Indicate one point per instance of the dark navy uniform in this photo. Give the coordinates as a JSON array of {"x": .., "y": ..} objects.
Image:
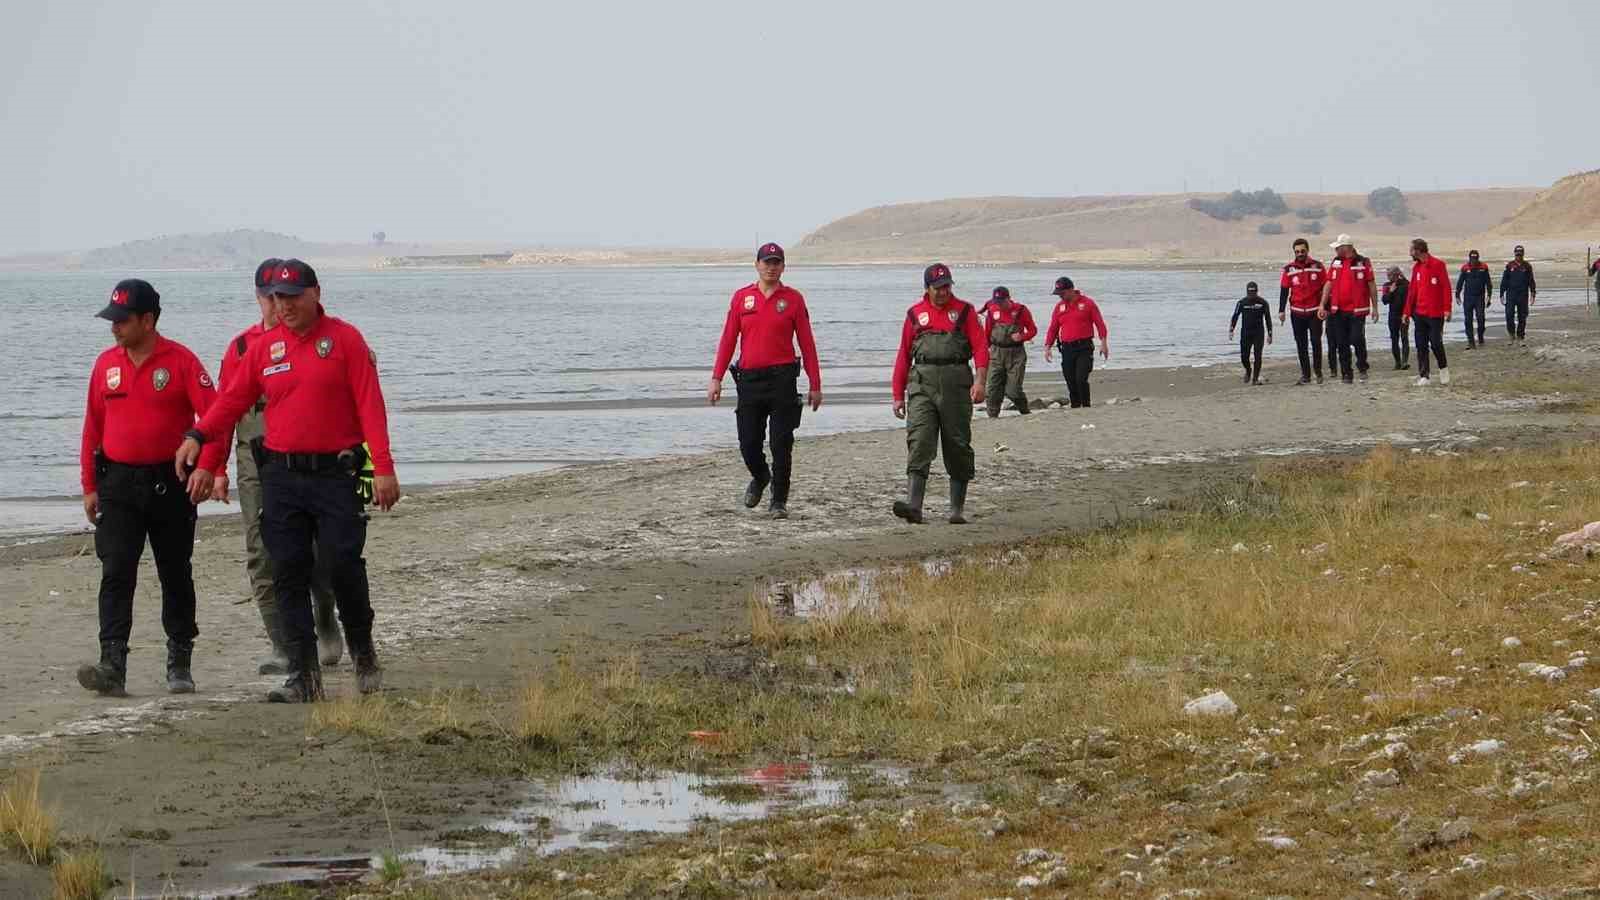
[
  {"x": 1517, "y": 290},
  {"x": 1473, "y": 287}
]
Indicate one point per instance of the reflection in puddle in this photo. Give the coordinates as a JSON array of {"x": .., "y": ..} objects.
[{"x": 862, "y": 590}]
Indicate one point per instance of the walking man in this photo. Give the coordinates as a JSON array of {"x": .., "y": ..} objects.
[
  {"x": 935, "y": 390},
  {"x": 1473, "y": 287},
  {"x": 324, "y": 410},
  {"x": 1010, "y": 327},
  {"x": 1394, "y": 297},
  {"x": 1300, "y": 292},
  {"x": 1428, "y": 304},
  {"x": 258, "y": 565},
  {"x": 1518, "y": 290},
  {"x": 1348, "y": 299},
  {"x": 143, "y": 393},
  {"x": 765, "y": 319},
  {"x": 1073, "y": 325},
  {"x": 1257, "y": 315}
]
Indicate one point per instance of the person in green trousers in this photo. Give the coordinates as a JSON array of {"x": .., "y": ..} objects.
[
  {"x": 1010, "y": 327},
  {"x": 935, "y": 389}
]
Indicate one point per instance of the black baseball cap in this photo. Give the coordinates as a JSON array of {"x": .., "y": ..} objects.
[
  {"x": 264, "y": 273},
  {"x": 1062, "y": 284},
  {"x": 292, "y": 277},
  {"x": 1518, "y": 249},
  {"x": 1001, "y": 293},
  {"x": 129, "y": 298},
  {"x": 769, "y": 251},
  {"x": 1472, "y": 254},
  {"x": 1252, "y": 286},
  {"x": 936, "y": 275}
]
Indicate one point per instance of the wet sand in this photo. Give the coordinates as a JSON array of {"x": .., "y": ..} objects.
[{"x": 481, "y": 585}]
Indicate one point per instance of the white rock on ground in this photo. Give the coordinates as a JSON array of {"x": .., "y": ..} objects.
[
  {"x": 1511, "y": 643},
  {"x": 1481, "y": 517},
  {"x": 1215, "y": 703},
  {"x": 1279, "y": 842},
  {"x": 1381, "y": 778},
  {"x": 1584, "y": 535},
  {"x": 1481, "y": 748},
  {"x": 1028, "y": 883}
]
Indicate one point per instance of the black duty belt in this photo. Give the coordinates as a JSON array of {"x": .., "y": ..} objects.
[
  {"x": 765, "y": 373},
  {"x": 160, "y": 474},
  {"x": 940, "y": 361},
  {"x": 1012, "y": 346},
  {"x": 345, "y": 461},
  {"x": 1078, "y": 344}
]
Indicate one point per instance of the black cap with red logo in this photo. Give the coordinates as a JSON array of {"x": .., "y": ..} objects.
[
  {"x": 291, "y": 277},
  {"x": 264, "y": 273},
  {"x": 1001, "y": 293},
  {"x": 129, "y": 298},
  {"x": 1062, "y": 284},
  {"x": 769, "y": 251},
  {"x": 936, "y": 275}
]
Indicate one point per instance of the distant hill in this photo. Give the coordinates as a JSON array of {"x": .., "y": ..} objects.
[
  {"x": 1142, "y": 229},
  {"x": 1571, "y": 207},
  {"x": 241, "y": 248}
]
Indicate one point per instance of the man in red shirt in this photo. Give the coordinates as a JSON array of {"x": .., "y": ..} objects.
[
  {"x": 1073, "y": 324},
  {"x": 765, "y": 319},
  {"x": 1348, "y": 298},
  {"x": 1300, "y": 292},
  {"x": 323, "y": 404},
  {"x": 258, "y": 565},
  {"x": 1010, "y": 327},
  {"x": 934, "y": 390},
  {"x": 143, "y": 393},
  {"x": 1429, "y": 304}
]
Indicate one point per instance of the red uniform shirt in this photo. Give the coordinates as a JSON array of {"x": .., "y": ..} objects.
[
  {"x": 322, "y": 393},
  {"x": 229, "y": 366},
  {"x": 1075, "y": 320},
  {"x": 924, "y": 316},
  {"x": 138, "y": 414},
  {"x": 1429, "y": 294},
  {"x": 766, "y": 328},
  {"x": 1350, "y": 285},
  {"x": 1305, "y": 285},
  {"x": 1012, "y": 313}
]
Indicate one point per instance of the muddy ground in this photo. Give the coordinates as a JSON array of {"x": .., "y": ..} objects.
[{"x": 481, "y": 585}]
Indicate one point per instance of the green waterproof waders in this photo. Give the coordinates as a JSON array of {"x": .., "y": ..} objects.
[
  {"x": 939, "y": 404},
  {"x": 1008, "y": 365}
]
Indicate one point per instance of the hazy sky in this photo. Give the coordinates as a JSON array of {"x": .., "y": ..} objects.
[{"x": 696, "y": 123}]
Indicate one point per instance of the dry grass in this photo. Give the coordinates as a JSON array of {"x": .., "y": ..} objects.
[
  {"x": 80, "y": 876},
  {"x": 25, "y": 825}
]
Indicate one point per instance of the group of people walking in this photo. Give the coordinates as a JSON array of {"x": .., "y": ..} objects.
[{"x": 301, "y": 402}]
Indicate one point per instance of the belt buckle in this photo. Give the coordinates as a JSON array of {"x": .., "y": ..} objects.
[{"x": 161, "y": 489}]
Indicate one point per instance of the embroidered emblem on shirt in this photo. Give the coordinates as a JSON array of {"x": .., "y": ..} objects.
[
  {"x": 783, "y": 305},
  {"x": 952, "y": 315},
  {"x": 324, "y": 346},
  {"x": 161, "y": 378},
  {"x": 749, "y": 303},
  {"x": 922, "y": 318},
  {"x": 205, "y": 378},
  {"x": 113, "y": 378},
  {"x": 277, "y": 351}
]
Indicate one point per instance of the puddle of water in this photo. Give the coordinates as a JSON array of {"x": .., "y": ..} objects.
[
  {"x": 599, "y": 811},
  {"x": 846, "y": 590}
]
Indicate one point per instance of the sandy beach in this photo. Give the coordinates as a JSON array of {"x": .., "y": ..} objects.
[{"x": 478, "y": 586}]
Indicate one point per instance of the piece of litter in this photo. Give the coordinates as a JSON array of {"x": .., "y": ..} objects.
[{"x": 1215, "y": 703}]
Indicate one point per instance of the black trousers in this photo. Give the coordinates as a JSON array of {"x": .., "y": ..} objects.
[
  {"x": 1251, "y": 343},
  {"x": 1333, "y": 345},
  {"x": 1077, "y": 361},
  {"x": 1516, "y": 315},
  {"x": 1307, "y": 342},
  {"x": 769, "y": 407},
  {"x": 1430, "y": 336},
  {"x": 1399, "y": 340},
  {"x": 1472, "y": 311},
  {"x": 309, "y": 517},
  {"x": 1350, "y": 334},
  {"x": 136, "y": 503}
]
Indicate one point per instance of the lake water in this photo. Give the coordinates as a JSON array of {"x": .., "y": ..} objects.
[{"x": 495, "y": 371}]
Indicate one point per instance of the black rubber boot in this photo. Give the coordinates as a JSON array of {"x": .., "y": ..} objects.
[
  {"x": 958, "y": 502},
  {"x": 179, "y": 678},
  {"x": 109, "y": 677},
  {"x": 304, "y": 684},
  {"x": 753, "y": 492},
  {"x": 369, "y": 675},
  {"x": 910, "y": 508}
]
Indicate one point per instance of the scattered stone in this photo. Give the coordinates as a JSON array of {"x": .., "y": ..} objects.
[
  {"x": 1057, "y": 876},
  {"x": 1511, "y": 643},
  {"x": 1519, "y": 484},
  {"x": 1498, "y": 892},
  {"x": 1240, "y": 547},
  {"x": 1216, "y": 703},
  {"x": 1459, "y": 651},
  {"x": 1385, "y": 778},
  {"x": 1033, "y": 856},
  {"x": 1454, "y": 832},
  {"x": 1540, "y": 670},
  {"x": 1481, "y": 748},
  {"x": 1279, "y": 842},
  {"x": 1397, "y": 751},
  {"x": 1588, "y": 534},
  {"x": 1469, "y": 863},
  {"x": 1577, "y": 662},
  {"x": 1481, "y": 517},
  {"x": 1028, "y": 883}
]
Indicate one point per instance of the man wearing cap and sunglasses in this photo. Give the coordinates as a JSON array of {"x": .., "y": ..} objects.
[
  {"x": 765, "y": 319},
  {"x": 1518, "y": 290},
  {"x": 258, "y": 565},
  {"x": 1073, "y": 325},
  {"x": 934, "y": 390},
  {"x": 1010, "y": 327},
  {"x": 323, "y": 404},
  {"x": 1300, "y": 293},
  {"x": 143, "y": 393},
  {"x": 1474, "y": 284}
]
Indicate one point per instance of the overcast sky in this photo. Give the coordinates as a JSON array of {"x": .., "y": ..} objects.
[{"x": 713, "y": 123}]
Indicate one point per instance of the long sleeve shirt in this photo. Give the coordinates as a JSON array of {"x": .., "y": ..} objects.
[
  {"x": 1075, "y": 320},
  {"x": 1300, "y": 287},
  {"x": 1394, "y": 297},
  {"x": 137, "y": 414},
  {"x": 925, "y": 317},
  {"x": 1474, "y": 282},
  {"x": 1429, "y": 294},
  {"x": 1013, "y": 314},
  {"x": 765, "y": 329},
  {"x": 1517, "y": 280},
  {"x": 1256, "y": 312}
]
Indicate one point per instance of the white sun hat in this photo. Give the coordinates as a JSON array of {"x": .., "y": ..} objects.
[{"x": 1342, "y": 241}]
